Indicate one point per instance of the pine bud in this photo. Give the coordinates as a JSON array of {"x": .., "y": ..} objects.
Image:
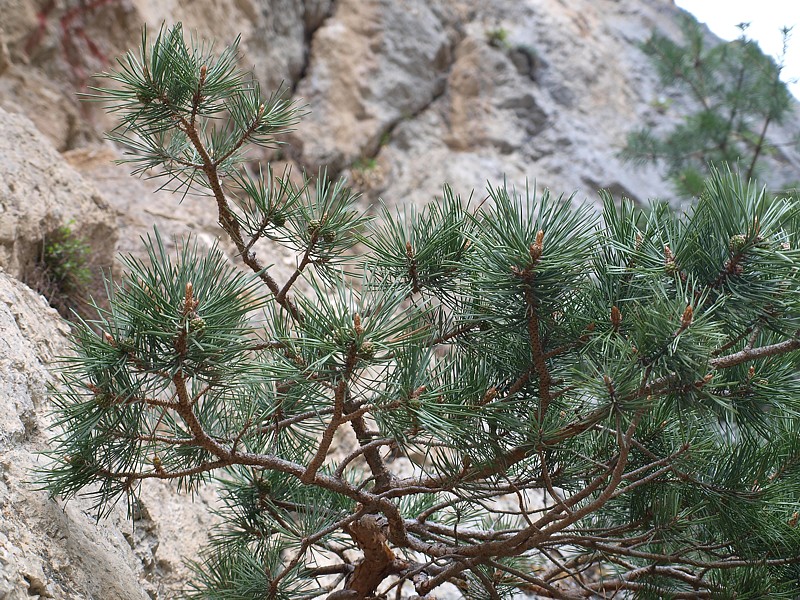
[
  {"x": 737, "y": 242},
  {"x": 188, "y": 303},
  {"x": 686, "y": 318},
  {"x": 536, "y": 248},
  {"x": 197, "y": 325},
  {"x": 490, "y": 395},
  {"x": 357, "y": 324},
  {"x": 419, "y": 391},
  {"x": 329, "y": 237},
  {"x": 278, "y": 219},
  {"x": 616, "y": 317},
  {"x": 699, "y": 384},
  {"x": 104, "y": 399},
  {"x": 313, "y": 226},
  {"x": 669, "y": 261},
  {"x": 367, "y": 350}
]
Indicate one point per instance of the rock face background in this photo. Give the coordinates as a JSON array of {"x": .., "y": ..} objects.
[{"x": 404, "y": 95}]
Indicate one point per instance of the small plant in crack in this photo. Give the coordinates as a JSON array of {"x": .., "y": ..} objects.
[
  {"x": 61, "y": 273},
  {"x": 498, "y": 38}
]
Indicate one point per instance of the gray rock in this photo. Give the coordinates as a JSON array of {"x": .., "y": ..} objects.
[
  {"x": 372, "y": 65},
  {"x": 47, "y": 550}
]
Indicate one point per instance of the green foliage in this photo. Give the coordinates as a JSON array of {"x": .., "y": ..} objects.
[
  {"x": 521, "y": 395},
  {"x": 365, "y": 164},
  {"x": 498, "y": 38},
  {"x": 737, "y": 93},
  {"x": 62, "y": 271}
]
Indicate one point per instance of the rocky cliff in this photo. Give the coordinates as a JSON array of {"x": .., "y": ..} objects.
[{"x": 404, "y": 95}]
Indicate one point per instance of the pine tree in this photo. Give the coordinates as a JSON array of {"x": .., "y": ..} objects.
[
  {"x": 737, "y": 94},
  {"x": 540, "y": 399}
]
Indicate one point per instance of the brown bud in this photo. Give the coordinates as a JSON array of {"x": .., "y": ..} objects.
[
  {"x": 490, "y": 395},
  {"x": 793, "y": 519},
  {"x": 751, "y": 372},
  {"x": 616, "y": 317},
  {"x": 536, "y": 248},
  {"x": 409, "y": 250},
  {"x": 733, "y": 267},
  {"x": 669, "y": 261},
  {"x": 686, "y": 319},
  {"x": 357, "y": 324},
  {"x": 203, "y": 73},
  {"x": 703, "y": 381},
  {"x": 188, "y": 305},
  {"x": 419, "y": 391}
]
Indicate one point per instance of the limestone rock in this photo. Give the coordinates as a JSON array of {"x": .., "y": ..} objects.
[
  {"x": 419, "y": 89},
  {"x": 372, "y": 65}
]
